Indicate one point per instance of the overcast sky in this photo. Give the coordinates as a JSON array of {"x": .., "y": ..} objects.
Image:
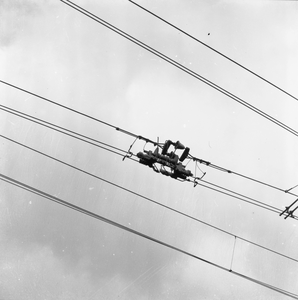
[{"x": 48, "y": 251}]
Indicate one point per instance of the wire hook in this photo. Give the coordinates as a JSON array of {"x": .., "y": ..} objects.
[{"x": 129, "y": 153}]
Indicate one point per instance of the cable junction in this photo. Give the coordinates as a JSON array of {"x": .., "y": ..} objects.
[
  {"x": 288, "y": 212},
  {"x": 138, "y": 233},
  {"x": 179, "y": 66},
  {"x": 138, "y": 137},
  {"x": 291, "y": 188},
  {"x": 166, "y": 146}
]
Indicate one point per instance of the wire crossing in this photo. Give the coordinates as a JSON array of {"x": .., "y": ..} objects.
[
  {"x": 214, "y": 50},
  {"x": 180, "y": 66},
  {"x": 151, "y": 200},
  {"x": 138, "y": 233}
]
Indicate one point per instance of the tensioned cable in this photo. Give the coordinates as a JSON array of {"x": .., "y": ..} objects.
[
  {"x": 216, "y": 51},
  {"x": 73, "y": 110},
  {"x": 256, "y": 202},
  {"x": 58, "y": 104},
  {"x": 136, "y": 136},
  {"x": 61, "y": 129},
  {"x": 71, "y": 134},
  {"x": 149, "y": 199},
  {"x": 178, "y": 65},
  {"x": 138, "y": 233},
  {"x": 209, "y": 164}
]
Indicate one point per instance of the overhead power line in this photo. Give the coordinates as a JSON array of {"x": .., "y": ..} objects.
[
  {"x": 89, "y": 140},
  {"x": 208, "y": 164},
  {"x": 56, "y": 103},
  {"x": 151, "y": 200},
  {"x": 180, "y": 66},
  {"x": 138, "y": 233},
  {"x": 63, "y": 130},
  {"x": 236, "y": 195},
  {"x": 71, "y": 109},
  {"x": 214, "y": 50}
]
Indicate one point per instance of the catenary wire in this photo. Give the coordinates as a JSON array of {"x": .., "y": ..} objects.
[
  {"x": 72, "y": 110},
  {"x": 56, "y": 103},
  {"x": 179, "y": 66},
  {"x": 213, "y": 187},
  {"x": 138, "y": 233},
  {"x": 140, "y": 137},
  {"x": 62, "y": 130},
  {"x": 151, "y": 200},
  {"x": 209, "y": 164},
  {"x": 226, "y": 191},
  {"x": 214, "y": 50}
]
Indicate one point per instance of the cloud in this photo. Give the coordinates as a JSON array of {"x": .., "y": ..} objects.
[
  {"x": 31, "y": 270},
  {"x": 38, "y": 274},
  {"x": 16, "y": 16},
  {"x": 52, "y": 252}
]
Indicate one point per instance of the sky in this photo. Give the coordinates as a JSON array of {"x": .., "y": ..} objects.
[{"x": 52, "y": 252}]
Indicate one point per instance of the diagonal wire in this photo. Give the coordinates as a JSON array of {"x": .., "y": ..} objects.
[
  {"x": 214, "y": 50},
  {"x": 138, "y": 233},
  {"x": 146, "y": 139},
  {"x": 91, "y": 141},
  {"x": 61, "y": 129},
  {"x": 213, "y": 187},
  {"x": 209, "y": 185},
  {"x": 151, "y": 200},
  {"x": 179, "y": 66},
  {"x": 238, "y": 194},
  {"x": 56, "y": 103}
]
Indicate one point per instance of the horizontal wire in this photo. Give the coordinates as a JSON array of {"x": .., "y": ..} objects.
[
  {"x": 211, "y": 48},
  {"x": 151, "y": 200},
  {"x": 135, "y": 232},
  {"x": 178, "y": 65}
]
